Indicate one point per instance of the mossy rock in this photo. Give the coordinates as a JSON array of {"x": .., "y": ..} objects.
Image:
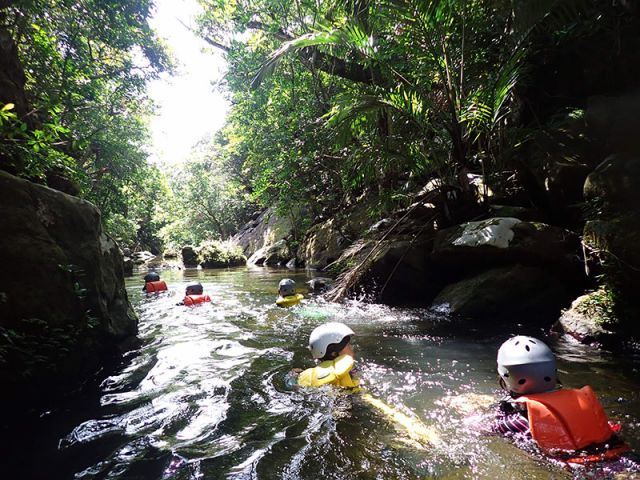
[
  {"x": 190, "y": 257},
  {"x": 217, "y": 255}
]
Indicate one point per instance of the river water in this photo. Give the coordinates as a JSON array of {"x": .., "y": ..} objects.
[{"x": 205, "y": 397}]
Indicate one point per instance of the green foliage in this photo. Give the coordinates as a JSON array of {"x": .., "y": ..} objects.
[
  {"x": 36, "y": 346},
  {"x": 599, "y": 305},
  {"x": 121, "y": 229},
  {"x": 206, "y": 201},
  {"x": 365, "y": 102},
  {"x": 86, "y": 66},
  {"x": 221, "y": 254}
]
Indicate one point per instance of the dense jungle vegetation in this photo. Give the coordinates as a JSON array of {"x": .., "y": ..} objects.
[{"x": 332, "y": 103}]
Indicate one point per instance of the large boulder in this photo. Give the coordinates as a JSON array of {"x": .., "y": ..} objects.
[
  {"x": 506, "y": 240},
  {"x": 63, "y": 302},
  {"x": 515, "y": 291},
  {"x": 615, "y": 182},
  {"x": 190, "y": 257},
  {"x": 588, "y": 320},
  {"x": 612, "y": 123},
  {"x": 220, "y": 255},
  {"x": 277, "y": 254}
]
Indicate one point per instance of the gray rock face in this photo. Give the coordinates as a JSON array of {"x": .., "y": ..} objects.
[
  {"x": 322, "y": 245},
  {"x": 62, "y": 288},
  {"x": 263, "y": 231}
]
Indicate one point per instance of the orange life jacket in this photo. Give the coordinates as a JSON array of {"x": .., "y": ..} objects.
[
  {"x": 568, "y": 419},
  {"x": 152, "y": 287},
  {"x": 191, "y": 300}
]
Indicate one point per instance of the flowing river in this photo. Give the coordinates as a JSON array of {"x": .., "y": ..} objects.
[{"x": 205, "y": 397}]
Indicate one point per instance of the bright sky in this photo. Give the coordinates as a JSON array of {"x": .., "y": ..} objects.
[{"x": 189, "y": 108}]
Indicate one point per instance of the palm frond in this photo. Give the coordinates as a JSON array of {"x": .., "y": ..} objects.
[
  {"x": 406, "y": 102},
  {"x": 351, "y": 36}
]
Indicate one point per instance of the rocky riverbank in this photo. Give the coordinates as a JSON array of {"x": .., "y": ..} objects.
[{"x": 63, "y": 304}]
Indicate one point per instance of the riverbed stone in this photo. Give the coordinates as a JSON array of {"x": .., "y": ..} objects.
[
  {"x": 511, "y": 291},
  {"x": 63, "y": 300}
]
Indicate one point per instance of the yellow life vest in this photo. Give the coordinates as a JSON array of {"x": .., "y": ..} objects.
[
  {"x": 336, "y": 372},
  {"x": 289, "y": 300},
  {"x": 330, "y": 372}
]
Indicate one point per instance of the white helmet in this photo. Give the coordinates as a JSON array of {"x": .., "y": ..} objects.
[
  {"x": 325, "y": 335},
  {"x": 527, "y": 365},
  {"x": 287, "y": 287}
]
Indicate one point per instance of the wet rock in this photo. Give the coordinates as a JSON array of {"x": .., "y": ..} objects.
[
  {"x": 320, "y": 284},
  {"x": 127, "y": 264},
  {"x": 190, "y": 257},
  {"x": 614, "y": 232},
  {"x": 395, "y": 271},
  {"x": 586, "y": 320},
  {"x": 293, "y": 263},
  {"x": 521, "y": 213},
  {"x": 62, "y": 288},
  {"x": 258, "y": 257},
  {"x": 616, "y": 238},
  {"x": 515, "y": 291},
  {"x": 142, "y": 257},
  {"x": 380, "y": 226},
  {"x": 126, "y": 251},
  {"x": 565, "y": 181},
  {"x": 613, "y": 123}
]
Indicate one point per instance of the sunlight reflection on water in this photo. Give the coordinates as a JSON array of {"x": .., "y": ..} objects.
[{"x": 205, "y": 397}]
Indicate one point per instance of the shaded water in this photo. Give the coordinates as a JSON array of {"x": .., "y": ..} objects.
[{"x": 204, "y": 397}]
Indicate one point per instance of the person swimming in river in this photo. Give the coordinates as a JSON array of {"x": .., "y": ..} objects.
[
  {"x": 194, "y": 295},
  {"x": 567, "y": 424},
  {"x": 153, "y": 284},
  {"x": 330, "y": 344},
  {"x": 287, "y": 295}
]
